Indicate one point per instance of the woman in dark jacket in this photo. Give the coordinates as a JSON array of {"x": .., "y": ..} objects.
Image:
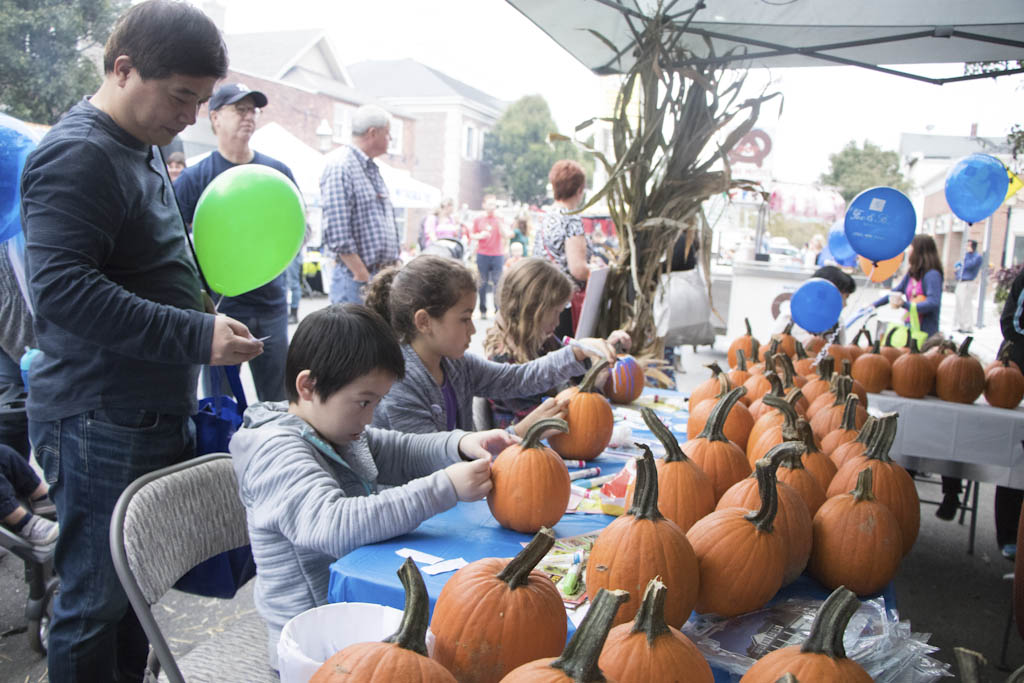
[
  {"x": 1008, "y": 500},
  {"x": 921, "y": 285}
]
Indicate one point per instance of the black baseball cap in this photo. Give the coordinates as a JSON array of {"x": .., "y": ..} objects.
[{"x": 232, "y": 92}]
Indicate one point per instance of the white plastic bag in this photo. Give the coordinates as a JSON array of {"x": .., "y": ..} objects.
[{"x": 682, "y": 309}]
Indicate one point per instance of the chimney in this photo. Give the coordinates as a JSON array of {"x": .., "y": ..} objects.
[{"x": 974, "y": 130}]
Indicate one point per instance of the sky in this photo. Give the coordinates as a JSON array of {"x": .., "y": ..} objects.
[{"x": 491, "y": 46}]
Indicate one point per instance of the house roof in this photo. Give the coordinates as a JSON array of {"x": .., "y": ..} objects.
[
  {"x": 949, "y": 146},
  {"x": 271, "y": 55},
  {"x": 408, "y": 78}
]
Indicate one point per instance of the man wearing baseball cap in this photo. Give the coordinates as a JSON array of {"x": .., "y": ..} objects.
[{"x": 234, "y": 110}]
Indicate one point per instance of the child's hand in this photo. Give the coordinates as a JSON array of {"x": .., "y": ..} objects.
[
  {"x": 472, "y": 480},
  {"x": 476, "y": 445},
  {"x": 551, "y": 407},
  {"x": 621, "y": 340},
  {"x": 595, "y": 348}
]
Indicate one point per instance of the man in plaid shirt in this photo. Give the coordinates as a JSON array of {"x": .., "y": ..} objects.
[{"x": 358, "y": 218}]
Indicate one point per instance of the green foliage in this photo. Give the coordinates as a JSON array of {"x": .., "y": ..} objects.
[
  {"x": 797, "y": 231},
  {"x": 43, "y": 68},
  {"x": 518, "y": 152},
  {"x": 1015, "y": 139},
  {"x": 855, "y": 169}
]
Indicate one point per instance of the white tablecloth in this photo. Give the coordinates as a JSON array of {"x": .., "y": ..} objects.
[{"x": 973, "y": 441}]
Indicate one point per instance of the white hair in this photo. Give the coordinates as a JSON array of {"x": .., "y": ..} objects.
[{"x": 369, "y": 116}]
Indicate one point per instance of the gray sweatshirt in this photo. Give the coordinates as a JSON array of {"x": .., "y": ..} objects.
[{"x": 308, "y": 504}]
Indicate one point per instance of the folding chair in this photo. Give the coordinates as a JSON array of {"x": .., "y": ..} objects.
[{"x": 164, "y": 524}]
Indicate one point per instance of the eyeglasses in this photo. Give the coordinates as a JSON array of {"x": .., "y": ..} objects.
[{"x": 244, "y": 110}]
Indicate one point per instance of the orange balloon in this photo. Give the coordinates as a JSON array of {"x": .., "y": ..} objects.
[{"x": 881, "y": 271}]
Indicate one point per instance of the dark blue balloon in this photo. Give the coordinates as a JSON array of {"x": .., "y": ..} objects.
[
  {"x": 880, "y": 223},
  {"x": 16, "y": 141},
  {"x": 816, "y": 305},
  {"x": 839, "y": 249},
  {"x": 976, "y": 186}
]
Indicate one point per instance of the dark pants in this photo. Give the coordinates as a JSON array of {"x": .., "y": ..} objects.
[
  {"x": 490, "y": 272},
  {"x": 268, "y": 367},
  {"x": 89, "y": 460},
  {"x": 294, "y": 273},
  {"x": 1008, "y": 503},
  {"x": 951, "y": 485},
  {"x": 13, "y": 427},
  {"x": 17, "y": 480}
]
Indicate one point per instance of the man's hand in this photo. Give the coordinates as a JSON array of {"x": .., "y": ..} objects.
[
  {"x": 472, "y": 480},
  {"x": 551, "y": 407},
  {"x": 232, "y": 342},
  {"x": 482, "y": 445}
]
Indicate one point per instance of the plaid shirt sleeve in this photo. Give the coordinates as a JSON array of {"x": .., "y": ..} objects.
[{"x": 337, "y": 219}]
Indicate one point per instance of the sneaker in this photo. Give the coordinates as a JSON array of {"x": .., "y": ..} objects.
[
  {"x": 948, "y": 507},
  {"x": 1010, "y": 551},
  {"x": 40, "y": 531},
  {"x": 293, "y": 317},
  {"x": 43, "y": 506}
]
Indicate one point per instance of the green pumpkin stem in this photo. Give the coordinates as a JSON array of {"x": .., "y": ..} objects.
[
  {"x": 881, "y": 442},
  {"x": 888, "y": 337},
  {"x": 724, "y": 385},
  {"x": 755, "y": 349},
  {"x": 849, "y": 422},
  {"x": 876, "y": 347},
  {"x": 517, "y": 572},
  {"x": 533, "y": 438},
  {"x": 673, "y": 453},
  {"x": 864, "y": 490},
  {"x": 801, "y": 352},
  {"x": 789, "y": 415},
  {"x": 716, "y": 420},
  {"x": 788, "y": 329},
  {"x": 788, "y": 678},
  {"x": 590, "y": 379},
  {"x": 826, "y": 366},
  {"x": 830, "y": 622},
  {"x": 412, "y": 631},
  {"x": 645, "y": 491},
  {"x": 788, "y": 371},
  {"x": 650, "y": 619},
  {"x": 715, "y": 369},
  {"x": 862, "y": 331},
  {"x": 579, "y": 658},
  {"x": 1005, "y": 347},
  {"x": 776, "y": 384},
  {"x": 741, "y": 360},
  {"x": 844, "y": 385},
  {"x": 750, "y": 333},
  {"x": 962, "y": 351},
  {"x": 794, "y": 396},
  {"x": 867, "y": 430},
  {"x": 803, "y": 427},
  {"x": 764, "y": 472},
  {"x": 912, "y": 345},
  {"x": 847, "y": 366}
]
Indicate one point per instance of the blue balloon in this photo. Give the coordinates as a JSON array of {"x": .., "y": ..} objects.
[
  {"x": 976, "y": 186},
  {"x": 880, "y": 223},
  {"x": 816, "y": 305},
  {"x": 16, "y": 141},
  {"x": 839, "y": 249}
]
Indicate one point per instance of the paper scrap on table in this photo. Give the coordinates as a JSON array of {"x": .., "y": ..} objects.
[
  {"x": 445, "y": 566},
  {"x": 417, "y": 556}
]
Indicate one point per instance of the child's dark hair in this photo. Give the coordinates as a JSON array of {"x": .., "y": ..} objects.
[
  {"x": 432, "y": 283},
  {"x": 843, "y": 282},
  {"x": 339, "y": 344}
]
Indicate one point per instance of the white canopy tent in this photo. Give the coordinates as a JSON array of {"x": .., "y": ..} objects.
[{"x": 865, "y": 33}]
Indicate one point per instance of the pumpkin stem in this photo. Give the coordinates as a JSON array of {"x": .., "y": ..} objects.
[
  {"x": 724, "y": 385},
  {"x": 579, "y": 659},
  {"x": 878, "y": 448},
  {"x": 849, "y": 422},
  {"x": 830, "y": 622},
  {"x": 715, "y": 369},
  {"x": 846, "y": 365},
  {"x": 645, "y": 492},
  {"x": 651, "y": 618},
  {"x": 755, "y": 349},
  {"x": 746, "y": 321},
  {"x": 788, "y": 678},
  {"x": 412, "y": 631},
  {"x": 968, "y": 663},
  {"x": 788, "y": 328},
  {"x": 673, "y": 453},
  {"x": 844, "y": 385},
  {"x": 716, "y": 420},
  {"x": 912, "y": 344},
  {"x": 868, "y": 430},
  {"x": 801, "y": 352},
  {"x": 862, "y": 331},
  {"x": 794, "y": 396},
  {"x": 962, "y": 351},
  {"x": 826, "y": 366},
  {"x": 741, "y": 360},
  {"x": 788, "y": 371},
  {"x": 789, "y": 415},
  {"x": 773, "y": 379},
  {"x": 876, "y": 347},
  {"x": 806, "y": 435},
  {"x": 764, "y": 471},
  {"x": 865, "y": 485},
  {"x": 888, "y": 337},
  {"x": 517, "y": 572},
  {"x": 773, "y": 348},
  {"x": 532, "y": 438},
  {"x": 1005, "y": 347},
  {"x": 590, "y": 379}
]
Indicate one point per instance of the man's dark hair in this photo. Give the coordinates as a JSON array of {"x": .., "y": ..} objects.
[
  {"x": 843, "y": 282},
  {"x": 338, "y": 345},
  {"x": 974, "y": 244},
  {"x": 165, "y": 37}
]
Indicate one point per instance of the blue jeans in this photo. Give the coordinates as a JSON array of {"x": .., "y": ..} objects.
[
  {"x": 89, "y": 460},
  {"x": 343, "y": 288},
  {"x": 268, "y": 367},
  {"x": 294, "y": 273},
  {"x": 13, "y": 428},
  {"x": 490, "y": 272}
]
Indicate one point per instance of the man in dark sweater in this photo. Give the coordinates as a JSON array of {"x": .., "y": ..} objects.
[
  {"x": 234, "y": 110},
  {"x": 119, "y": 315}
]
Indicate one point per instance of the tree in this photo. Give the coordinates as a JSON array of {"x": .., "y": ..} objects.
[
  {"x": 44, "y": 69},
  {"x": 518, "y": 152},
  {"x": 855, "y": 169}
]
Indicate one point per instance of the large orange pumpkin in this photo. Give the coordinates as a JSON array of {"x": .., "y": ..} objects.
[
  {"x": 913, "y": 375},
  {"x": 1005, "y": 349},
  {"x": 816, "y": 462},
  {"x": 822, "y": 657},
  {"x": 402, "y": 656},
  {"x": 516, "y": 615},
  {"x": 625, "y": 381},
  {"x": 960, "y": 377},
  {"x": 787, "y": 342},
  {"x": 708, "y": 388},
  {"x": 641, "y": 545},
  {"x": 742, "y": 556},
  {"x": 827, "y": 419},
  {"x": 590, "y": 419},
  {"x": 579, "y": 660},
  {"x": 737, "y": 423},
  {"x": 873, "y": 370},
  {"x": 771, "y": 429},
  {"x": 1004, "y": 385},
  {"x": 745, "y": 343},
  {"x": 857, "y": 541},
  {"x": 721, "y": 459},
  {"x": 889, "y": 351},
  {"x": 651, "y": 650},
  {"x": 847, "y": 429},
  {"x": 685, "y": 493},
  {"x": 530, "y": 483}
]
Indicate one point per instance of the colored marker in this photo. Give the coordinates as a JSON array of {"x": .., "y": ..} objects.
[
  {"x": 584, "y": 474},
  {"x": 596, "y": 481},
  {"x": 576, "y": 463}
]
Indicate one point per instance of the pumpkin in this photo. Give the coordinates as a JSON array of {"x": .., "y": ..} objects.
[
  {"x": 960, "y": 377},
  {"x": 530, "y": 483},
  {"x": 651, "y": 650},
  {"x": 830, "y": 418},
  {"x": 590, "y": 419},
  {"x": 854, "y": 349},
  {"x": 815, "y": 344},
  {"x": 892, "y": 485},
  {"x": 790, "y": 378},
  {"x": 401, "y": 656},
  {"x": 774, "y": 347},
  {"x": 579, "y": 660},
  {"x": 913, "y": 375},
  {"x": 837, "y": 351},
  {"x": 804, "y": 364},
  {"x": 771, "y": 422},
  {"x": 844, "y": 452},
  {"x": 758, "y": 385},
  {"x": 822, "y": 383},
  {"x": 848, "y": 428},
  {"x": 1005, "y": 348},
  {"x": 889, "y": 351},
  {"x": 873, "y": 370},
  {"x": 641, "y": 545},
  {"x": 737, "y": 423},
  {"x": 738, "y": 375},
  {"x": 787, "y": 342},
  {"x": 858, "y": 542},
  {"x": 1004, "y": 385},
  {"x": 816, "y": 462},
  {"x": 720, "y": 459},
  {"x": 792, "y": 520},
  {"x": 856, "y": 387},
  {"x": 742, "y": 556},
  {"x": 743, "y": 343},
  {"x": 625, "y": 381},
  {"x": 685, "y": 493},
  {"x": 708, "y": 388},
  {"x": 758, "y": 408},
  {"x": 938, "y": 351},
  {"x": 822, "y": 657},
  {"x": 515, "y": 616},
  {"x": 791, "y": 470},
  {"x": 824, "y": 399}
]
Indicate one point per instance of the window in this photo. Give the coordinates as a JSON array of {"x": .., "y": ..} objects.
[
  {"x": 469, "y": 142},
  {"x": 397, "y": 131},
  {"x": 342, "y": 123}
]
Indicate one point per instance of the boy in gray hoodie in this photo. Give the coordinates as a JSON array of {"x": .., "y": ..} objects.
[{"x": 317, "y": 482}]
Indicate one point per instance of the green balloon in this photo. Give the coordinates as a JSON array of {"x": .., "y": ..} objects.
[{"x": 248, "y": 226}]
